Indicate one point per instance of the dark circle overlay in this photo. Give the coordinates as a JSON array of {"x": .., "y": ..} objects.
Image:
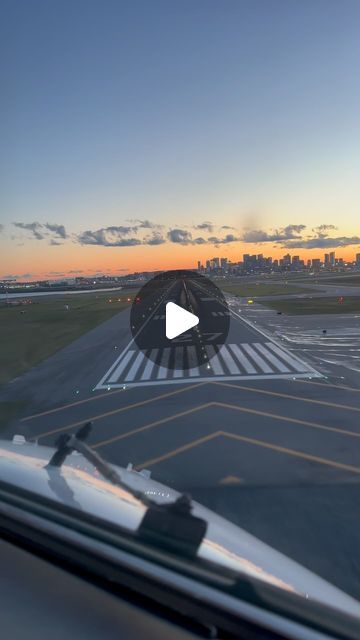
[{"x": 194, "y": 348}]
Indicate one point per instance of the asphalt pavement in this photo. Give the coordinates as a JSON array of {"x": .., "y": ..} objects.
[{"x": 252, "y": 428}]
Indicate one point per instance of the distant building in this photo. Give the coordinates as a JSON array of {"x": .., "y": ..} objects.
[
  {"x": 224, "y": 263},
  {"x": 357, "y": 259},
  {"x": 316, "y": 263},
  {"x": 327, "y": 260},
  {"x": 332, "y": 258},
  {"x": 287, "y": 259}
]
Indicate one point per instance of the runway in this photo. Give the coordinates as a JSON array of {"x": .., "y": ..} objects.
[{"x": 268, "y": 440}]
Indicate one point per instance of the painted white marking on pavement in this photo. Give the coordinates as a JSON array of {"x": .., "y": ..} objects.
[
  {"x": 135, "y": 366},
  {"x": 150, "y": 365},
  {"x": 120, "y": 368},
  {"x": 163, "y": 369},
  {"x": 257, "y": 358},
  {"x": 242, "y": 359},
  {"x": 215, "y": 362},
  {"x": 272, "y": 358},
  {"x": 191, "y": 355},
  {"x": 228, "y": 359},
  {"x": 241, "y": 378},
  {"x": 298, "y": 366},
  {"x": 178, "y": 371}
]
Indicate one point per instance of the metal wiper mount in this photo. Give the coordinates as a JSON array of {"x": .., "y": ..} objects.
[{"x": 171, "y": 526}]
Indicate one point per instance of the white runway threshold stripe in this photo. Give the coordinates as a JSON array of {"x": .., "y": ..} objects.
[{"x": 174, "y": 365}]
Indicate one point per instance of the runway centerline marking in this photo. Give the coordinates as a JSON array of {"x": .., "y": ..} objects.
[
  {"x": 259, "y": 443},
  {"x": 278, "y": 394},
  {"x": 134, "y": 405}
]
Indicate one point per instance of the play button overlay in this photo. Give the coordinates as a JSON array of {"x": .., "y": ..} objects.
[{"x": 179, "y": 320}]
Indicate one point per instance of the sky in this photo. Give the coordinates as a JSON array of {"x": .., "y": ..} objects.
[{"x": 148, "y": 135}]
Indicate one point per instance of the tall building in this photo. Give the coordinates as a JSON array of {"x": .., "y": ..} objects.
[
  {"x": 216, "y": 262},
  {"x": 316, "y": 263},
  {"x": 332, "y": 258},
  {"x": 199, "y": 265},
  {"x": 326, "y": 260},
  {"x": 224, "y": 263},
  {"x": 208, "y": 265},
  {"x": 287, "y": 259},
  {"x": 357, "y": 259}
]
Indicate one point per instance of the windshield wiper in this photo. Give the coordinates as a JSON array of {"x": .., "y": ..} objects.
[
  {"x": 67, "y": 443},
  {"x": 170, "y": 525}
]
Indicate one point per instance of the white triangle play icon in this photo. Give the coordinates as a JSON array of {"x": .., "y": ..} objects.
[{"x": 178, "y": 320}]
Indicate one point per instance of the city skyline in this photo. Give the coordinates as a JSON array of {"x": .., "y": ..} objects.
[{"x": 181, "y": 248}]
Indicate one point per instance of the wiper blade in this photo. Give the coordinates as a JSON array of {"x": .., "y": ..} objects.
[{"x": 171, "y": 526}]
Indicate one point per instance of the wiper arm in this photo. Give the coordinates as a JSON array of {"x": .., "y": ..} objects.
[
  {"x": 170, "y": 525},
  {"x": 67, "y": 443}
]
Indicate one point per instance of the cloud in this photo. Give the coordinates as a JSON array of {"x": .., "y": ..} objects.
[
  {"x": 108, "y": 237},
  {"x": 226, "y": 226},
  {"x": 10, "y": 276},
  {"x": 256, "y": 235},
  {"x": 154, "y": 239},
  {"x": 55, "y": 243},
  {"x": 26, "y": 275},
  {"x": 324, "y": 227},
  {"x": 1, "y": 228},
  {"x": 321, "y": 242},
  {"x": 144, "y": 224},
  {"x": 180, "y": 236},
  {"x": 75, "y": 271},
  {"x": 57, "y": 229},
  {"x": 33, "y": 227},
  {"x": 291, "y": 231},
  {"x": 40, "y": 231},
  {"x": 205, "y": 226},
  {"x": 121, "y": 230},
  {"x": 228, "y": 238},
  {"x": 322, "y": 230}
]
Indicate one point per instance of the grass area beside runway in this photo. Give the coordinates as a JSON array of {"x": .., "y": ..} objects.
[
  {"x": 255, "y": 289},
  {"x": 32, "y": 332},
  {"x": 348, "y": 280},
  {"x": 307, "y": 306}
]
